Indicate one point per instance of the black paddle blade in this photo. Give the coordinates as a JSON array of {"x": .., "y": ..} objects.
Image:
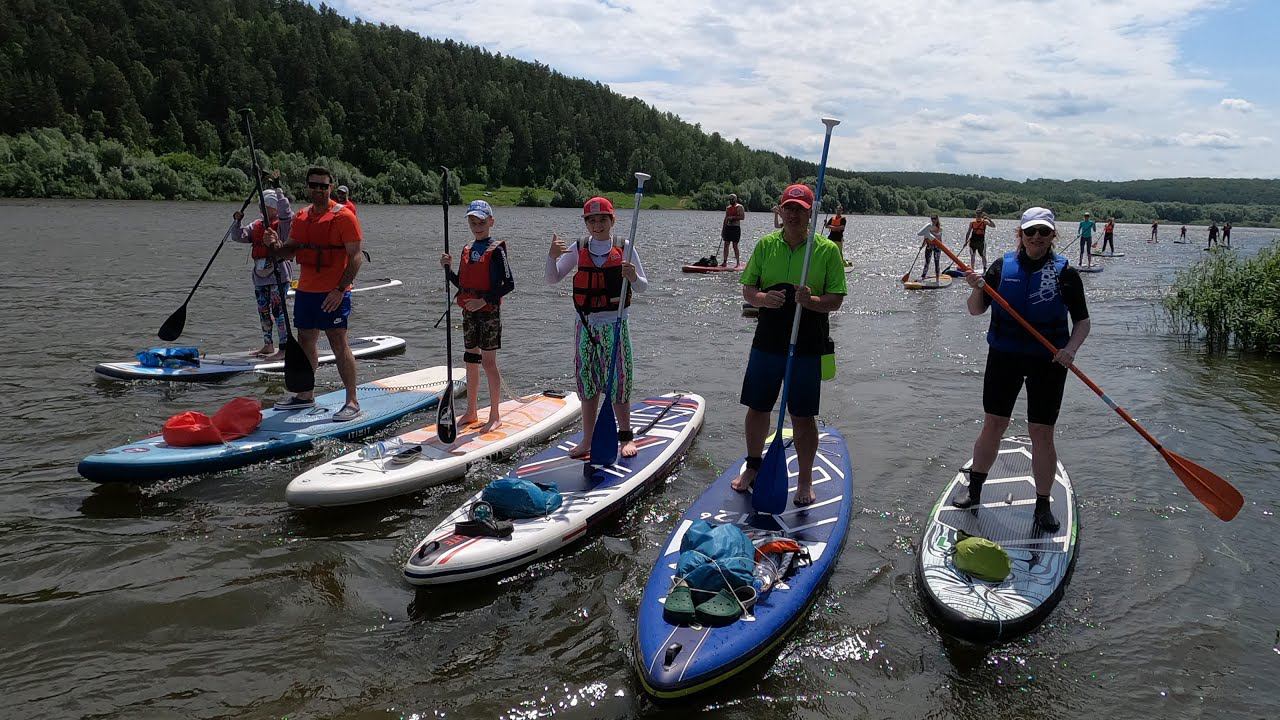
[
  {"x": 299, "y": 376},
  {"x": 446, "y": 421},
  {"x": 172, "y": 328}
]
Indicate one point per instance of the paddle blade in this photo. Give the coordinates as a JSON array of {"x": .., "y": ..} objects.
[
  {"x": 299, "y": 376},
  {"x": 1215, "y": 493},
  {"x": 172, "y": 328},
  {"x": 446, "y": 421},
  {"x": 769, "y": 494},
  {"x": 604, "y": 439}
]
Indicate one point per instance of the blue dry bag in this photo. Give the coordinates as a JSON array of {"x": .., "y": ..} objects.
[
  {"x": 514, "y": 498},
  {"x": 169, "y": 357},
  {"x": 716, "y": 557}
]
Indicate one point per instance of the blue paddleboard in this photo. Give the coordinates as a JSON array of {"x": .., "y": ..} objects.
[
  {"x": 677, "y": 660},
  {"x": 282, "y": 432}
]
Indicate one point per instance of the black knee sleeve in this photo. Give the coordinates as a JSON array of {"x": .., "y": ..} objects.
[{"x": 470, "y": 357}]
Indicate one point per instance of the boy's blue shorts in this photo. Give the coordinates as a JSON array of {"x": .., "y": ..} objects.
[
  {"x": 307, "y": 314},
  {"x": 763, "y": 382}
]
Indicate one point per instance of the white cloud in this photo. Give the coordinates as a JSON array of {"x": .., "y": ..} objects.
[{"x": 916, "y": 88}]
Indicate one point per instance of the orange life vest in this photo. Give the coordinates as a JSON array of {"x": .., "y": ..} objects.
[
  {"x": 318, "y": 253},
  {"x": 837, "y": 222},
  {"x": 474, "y": 278},
  {"x": 979, "y": 227},
  {"x": 597, "y": 289}
]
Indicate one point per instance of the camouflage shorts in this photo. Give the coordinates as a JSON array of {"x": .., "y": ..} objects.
[{"x": 482, "y": 330}]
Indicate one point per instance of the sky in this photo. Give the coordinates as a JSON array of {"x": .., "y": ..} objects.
[{"x": 1097, "y": 89}]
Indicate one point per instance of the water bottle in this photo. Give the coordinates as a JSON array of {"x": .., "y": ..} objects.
[{"x": 381, "y": 449}]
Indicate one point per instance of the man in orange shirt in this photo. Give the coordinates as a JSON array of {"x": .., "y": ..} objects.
[{"x": 325, "y": 239}]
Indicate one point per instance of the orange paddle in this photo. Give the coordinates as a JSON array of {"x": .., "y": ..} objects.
[{"x": 1212, "y": 491}]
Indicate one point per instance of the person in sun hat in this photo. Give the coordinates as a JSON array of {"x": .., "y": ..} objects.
[
  {"x": 483, "y": 278},
  {"x": 598, "y": 262},
  {"x": 771, "y": 282},
  {"x": 1046, "y": 291}
]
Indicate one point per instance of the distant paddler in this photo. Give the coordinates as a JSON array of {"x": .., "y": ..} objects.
[
  {"x": 731, "y": 230},
  {"x": 927, "y": 234},
  {"x": 975, "y": 238},
  {"x": 1084, "y": 233},
  {"x": 835, "y": 230}
]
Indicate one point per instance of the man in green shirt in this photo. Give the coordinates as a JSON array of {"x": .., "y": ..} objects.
[{"x": 771, "y": 282}]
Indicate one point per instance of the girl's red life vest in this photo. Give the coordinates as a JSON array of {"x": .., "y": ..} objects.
[
  {"x": 315, "y": 252},
  {"x": 474, "y": 276},
  {"x": 598, "y": 289},
  {"x": 258, "y": 250}
]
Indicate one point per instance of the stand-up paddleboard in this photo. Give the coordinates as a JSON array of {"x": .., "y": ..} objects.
[
  {"x": 749, "y": 310},
  {"x": 676, "y": 660},
  {"x": 221, "y": 366},
  {"x": 1089, "y": 268},
  {"x": 953, "y": 272},
  {"x": 848, "y": 266},
  {"x": 376, "y": 284},
  {"x": 929, "y": 283},
  {"x": 975, "y": 609},
  {"x": 1111, "y": 255},
  {"x": 665, "y": 427},
  {"x": 424, "y": 460},
  {"x": 712, "y": 268},
  {"x": 282, "y": 432}
]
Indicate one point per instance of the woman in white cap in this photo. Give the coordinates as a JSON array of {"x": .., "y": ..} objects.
[
  {"x": 271, "y": 276},
  {"x": 1042, "y": 288}
]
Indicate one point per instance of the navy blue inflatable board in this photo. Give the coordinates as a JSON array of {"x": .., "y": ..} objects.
[
  {"x": 953, "y": 272},
  {"x": 974, "y": 609},
  {"x": 282, "y": 432},
  {"x": 590, "y": 497},
  {"x": 1098, "y": 254},
  {"x": 1088, "y": 268},
  {"x": 677, "y": 660},
  {"x": 219, "y": 367}
]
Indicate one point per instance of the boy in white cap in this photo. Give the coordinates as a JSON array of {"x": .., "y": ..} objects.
[
  {"x": 270, "y": 287},
  {"x": 1045, "y": 291},
  {"x": 483, "y": 278}
]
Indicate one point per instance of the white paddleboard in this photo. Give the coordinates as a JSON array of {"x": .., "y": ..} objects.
[
  {"x": 427, "y": 461},
  {"x": 378, "y": 284},
  {"x": 975, "y": 609},
  {"x": 224, "y": 365},
  {"x": 444, "y": 556}
]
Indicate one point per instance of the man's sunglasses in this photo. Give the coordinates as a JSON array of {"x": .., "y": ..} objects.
[
  {"x": 318, "y": 185},
  {"x": 1041, "y": 230}
]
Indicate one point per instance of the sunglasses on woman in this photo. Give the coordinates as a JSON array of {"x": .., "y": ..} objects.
[{"x": 1041, "y": 230}]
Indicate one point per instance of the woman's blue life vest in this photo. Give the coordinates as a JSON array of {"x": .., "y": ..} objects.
[{"x": 1038, "y": 299}]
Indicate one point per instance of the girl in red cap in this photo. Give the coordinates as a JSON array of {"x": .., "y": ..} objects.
[{"x": 598, "y": 262}]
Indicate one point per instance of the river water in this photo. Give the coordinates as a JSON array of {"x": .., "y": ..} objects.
[{"x": 209, "y": 597}]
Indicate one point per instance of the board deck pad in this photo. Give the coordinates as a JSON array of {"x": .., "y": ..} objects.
[
  {"x": 1041, "y": 563},
  {"x": 282, "y": 432},
  {"x": 352, "y": 479},
  {"x": 678, "y": 660},
  {"x": 220, "y": 366},
  {"x": 929, "y": 283},
  {"x": 589, "y": 497}
]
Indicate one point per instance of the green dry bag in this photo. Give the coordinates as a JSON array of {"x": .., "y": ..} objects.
[{"x": 981, "y": 558}]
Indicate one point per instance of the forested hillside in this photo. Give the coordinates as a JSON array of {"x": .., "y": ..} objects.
[{"x": 137, "y": 99}]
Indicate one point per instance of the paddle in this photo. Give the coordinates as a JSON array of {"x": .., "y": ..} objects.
[
  {"x": 172, "y": 328},
  {"x": 604, "y": 438},
  {"x": 299, "y": 375},
  {"x": 446, "y": 421},
  {"x": 770, "y": 489},
  {"x": 1212, "y": 491},
  {"x": 907, "y": 276}
]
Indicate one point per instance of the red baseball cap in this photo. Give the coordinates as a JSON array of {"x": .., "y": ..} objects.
[
  {"x": 800, "y": 194},
  {"x": 597, "y": 206}
]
